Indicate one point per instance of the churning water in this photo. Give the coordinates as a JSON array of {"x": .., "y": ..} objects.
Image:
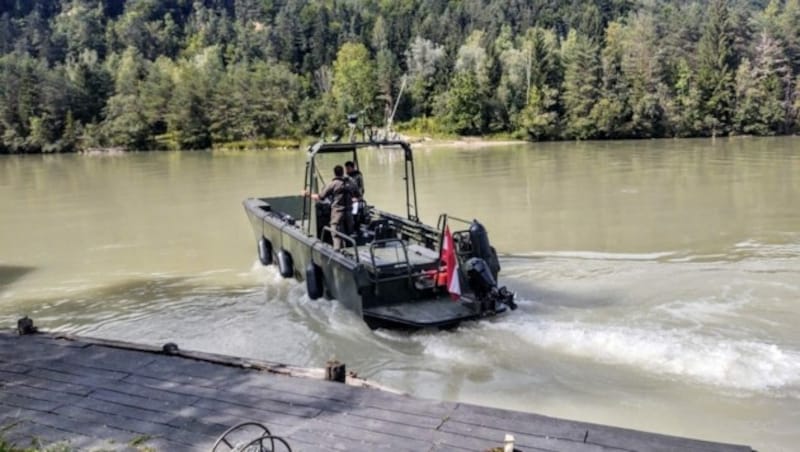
[{"x": 659, "y": 281}]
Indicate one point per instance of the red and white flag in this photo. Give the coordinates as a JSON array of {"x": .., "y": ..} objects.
[{"x": 451, "y": 264}]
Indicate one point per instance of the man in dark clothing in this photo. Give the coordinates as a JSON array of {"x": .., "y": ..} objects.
[
  {"x": 340, "y": 191},
  {"x": 358, "y": 178},
  {"x": 357, "y": 182}
]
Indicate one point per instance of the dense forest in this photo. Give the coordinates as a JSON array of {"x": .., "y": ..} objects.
[{"x": 166, "y": 74}]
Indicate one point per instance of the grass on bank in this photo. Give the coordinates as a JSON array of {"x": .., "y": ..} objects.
[{"x": 138, "y": 443}]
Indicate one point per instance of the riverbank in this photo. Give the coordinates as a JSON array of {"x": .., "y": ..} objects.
[
  {"x": 85, "y": 393},
  {"x": 418, "y": 141}
]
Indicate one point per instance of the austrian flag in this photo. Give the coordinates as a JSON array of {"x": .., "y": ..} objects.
[{"x": 451, "y": 264}]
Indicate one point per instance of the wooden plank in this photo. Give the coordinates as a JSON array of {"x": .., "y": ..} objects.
[
  {"x": 258, "y": 409},
  {"x": 111, "y": 359},
  {"x": 262, "y": 396},
  {"x": 636, "y": 440},
  {"x": 28, "y": 433},
  {"x": 73, "y": 369},
  {"x": 23, "y": 401},
  {"x": 12, "y": 379},
  {"x": 446, "y": 448},
  {"x": 415, "y": 420},
  {"x": 512, "y": 421},
  {"x": 137, "y": 427},
  {"x": 73, "y": 427},
  {"x": 188, "y": 418},
  {"x": 464, "y": 442},
  {"x": 133, "y": 412},
  {"x": 134, "y": 401},
  {"x": 413, "y": 437},
  {"x": 528, "y": 440},
  {"x": 14, "y": 367},
  {"x": 341, "y": 437}
]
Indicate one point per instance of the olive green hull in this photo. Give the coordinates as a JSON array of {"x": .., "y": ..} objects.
[{"x": 384, "y": 296}]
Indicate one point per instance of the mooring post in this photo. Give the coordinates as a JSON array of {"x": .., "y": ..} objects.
[
  {"x": 335, "y": 371},
  {"x": 25, "y": 326},
  {"x": 170, "y": 348}
]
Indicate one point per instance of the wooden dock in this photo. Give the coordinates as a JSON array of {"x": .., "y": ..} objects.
[{"x": 123, "y": 397}]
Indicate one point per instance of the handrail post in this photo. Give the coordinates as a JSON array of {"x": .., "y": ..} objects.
[{"x": 346, "y": 238}]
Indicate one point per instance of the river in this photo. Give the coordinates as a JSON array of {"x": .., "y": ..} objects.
[{"x": 658, "y": 281}]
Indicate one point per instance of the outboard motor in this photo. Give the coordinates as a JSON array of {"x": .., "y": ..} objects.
[
  {"x": 479, "y": 239},
  {"x": 483, "y": 284}
]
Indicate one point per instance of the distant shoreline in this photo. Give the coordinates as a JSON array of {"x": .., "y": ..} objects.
[
  {"x": 419, "y": 142},
  {"x": 464, "y": 142}
]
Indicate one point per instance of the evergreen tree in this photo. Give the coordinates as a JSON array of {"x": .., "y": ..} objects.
[
  {"x": 789, "y": 26},
  {"x": 125, "y": 121},
  {"x": 543, "y": 77},
  {"x": 581, "y": 85},
  {"x": 763, "y": 104},
  {"x": 188, "y": 112},
  {"x": 643, "y": 70},
  {"x": 155, "y": 91},
  {"x": 80, "y": 26},
  {"x": 612, "y": 113},
  {"x": 538, "y": 119},
  {"x": 424, "y": 60},
  {"x": 685, "y": 111},
  {"x": 796, "y": 106},
  {"x": 512, "y": 88},
  {"x": 715, "y": 66}
]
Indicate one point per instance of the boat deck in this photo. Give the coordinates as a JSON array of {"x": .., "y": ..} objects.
[
  {"x": 115, "y": 396},
  {"x": 388, "y": 256}
]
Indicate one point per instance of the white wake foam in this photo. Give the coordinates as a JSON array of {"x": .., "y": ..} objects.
[
  {"x": 718, "y": 361},
  {"x": 598, "y": 255}
]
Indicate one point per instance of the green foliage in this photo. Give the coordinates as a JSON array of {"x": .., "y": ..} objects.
[
  {"x": 795, "y": 109},
  {"x": 462, "y": 108},
  {"x": 538, "y": 119},
  {"x": 254, "y": 101},
  {"x": 762, "y": 89},
  {"x": 354, "y": 83},
  {"x": 581, "y": 85},
  {"x": 185, "y": 74},
  {"x": 715, "y": 61}
]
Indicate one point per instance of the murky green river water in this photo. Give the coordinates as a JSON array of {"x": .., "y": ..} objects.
[{"x": 659, "y": 281}]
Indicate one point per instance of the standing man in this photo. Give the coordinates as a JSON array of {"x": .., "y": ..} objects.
[
  {"x": 340, "y": 192},
  {"x": 358, "y": 178},
  {"x": 356, "y": 181}
]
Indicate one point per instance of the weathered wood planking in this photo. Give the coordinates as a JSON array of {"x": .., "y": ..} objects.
[{"x": 96, "y": 395}]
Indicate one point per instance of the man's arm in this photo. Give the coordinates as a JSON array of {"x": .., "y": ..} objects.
[{"x": 327, "y": 191}]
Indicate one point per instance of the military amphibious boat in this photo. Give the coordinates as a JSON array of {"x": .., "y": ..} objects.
[{"x": 392, "y": 269}]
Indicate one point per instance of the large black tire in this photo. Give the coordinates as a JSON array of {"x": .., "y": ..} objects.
[
  {"x": 285, "y": 264},
  {"x": 265, "y": 251},
  {"x": 315, "y": 281}
]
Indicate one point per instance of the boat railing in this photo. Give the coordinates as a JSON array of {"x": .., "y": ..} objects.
[
  {"x": 419, "y": 232},
  {"x": 444, "y": 218},
  {"x": 378, "y": 277},
  {"x": 346, "y": 238}
]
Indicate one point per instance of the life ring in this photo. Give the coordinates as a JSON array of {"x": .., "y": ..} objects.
[
  {"x": 285, "y": 264},
  {"x": 315, "y": 281},
  {"x": 265, "y": 251}
]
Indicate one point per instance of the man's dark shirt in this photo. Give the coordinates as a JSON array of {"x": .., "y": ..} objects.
[{"x": 358, "y": 181}]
